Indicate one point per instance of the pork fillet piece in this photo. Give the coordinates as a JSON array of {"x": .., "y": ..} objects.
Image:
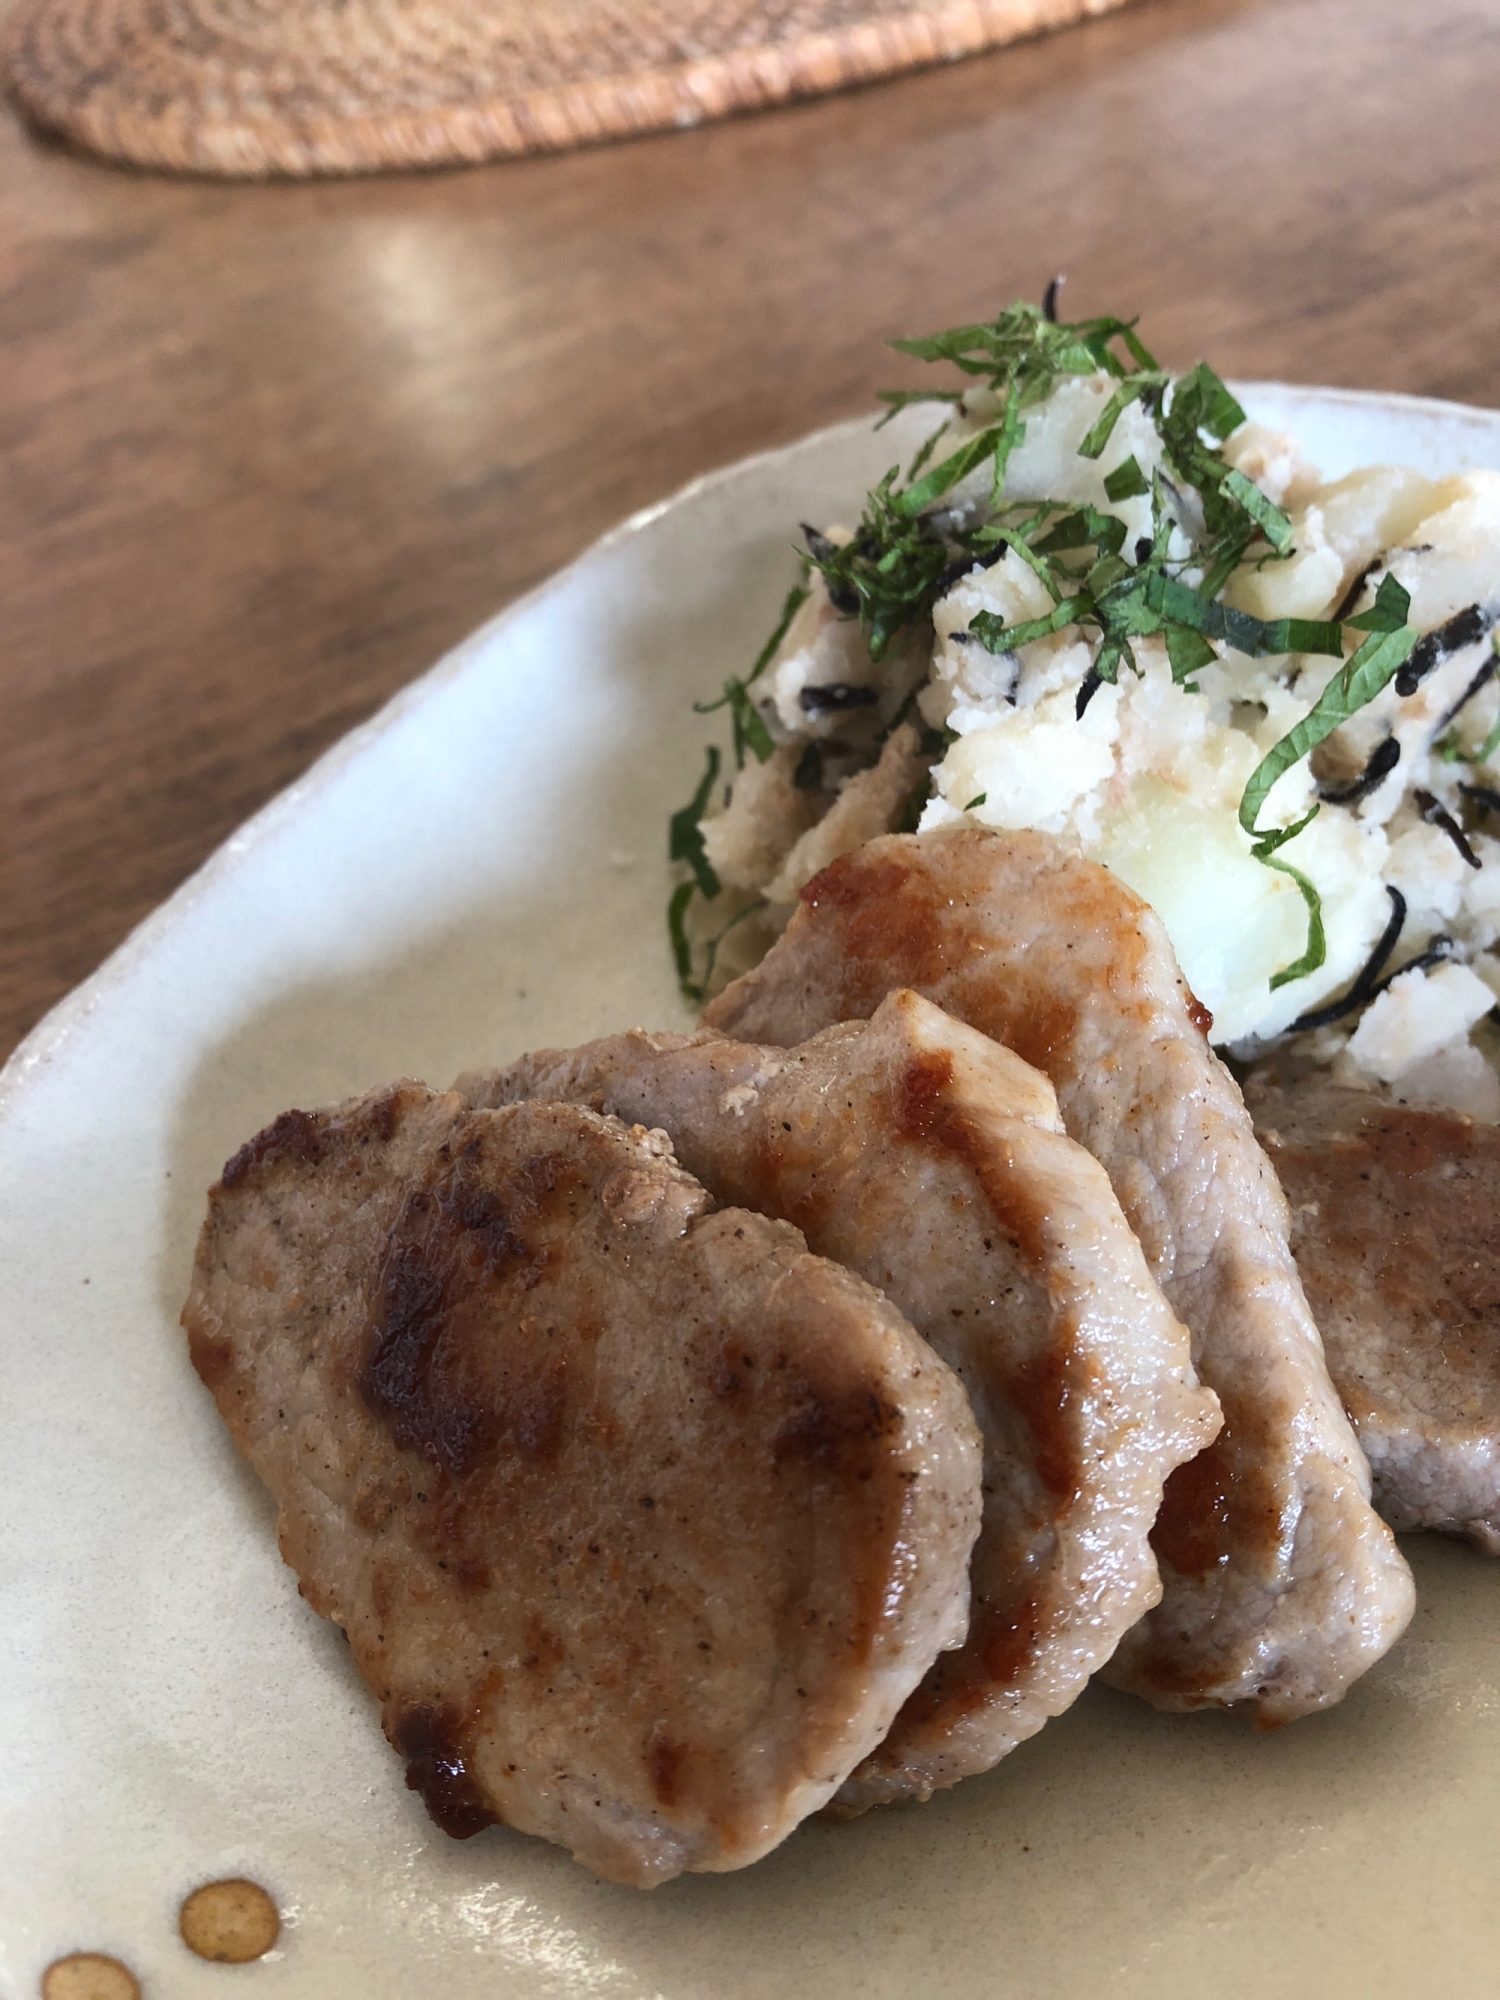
[
  {"x": 641, "y": 1521},
  {"x": 933, "y": 1162},
  {"x": 1396, "y": 1231},
  {"x": 1281, "y": 1582}
]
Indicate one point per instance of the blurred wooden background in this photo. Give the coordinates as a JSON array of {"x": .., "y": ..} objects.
[{"x": 268, "y": 450}]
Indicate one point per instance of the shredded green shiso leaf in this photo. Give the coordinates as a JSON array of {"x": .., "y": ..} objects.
[{"x": 909, "y": 550}]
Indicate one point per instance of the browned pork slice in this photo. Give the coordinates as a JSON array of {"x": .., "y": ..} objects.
[
  {"x": 1396, "y": 1231},
  {"x": 1281, "y": 1582},
  {"x": 933, "y": 1162},
  {"x": 642, "y": 1522}
]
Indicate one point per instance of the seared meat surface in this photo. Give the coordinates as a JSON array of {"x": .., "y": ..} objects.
[
  {"x": 641, "y": 1521},
  {"x": 1281, "y": 1582},
  {"x": 933, "y": 1162},
  {"x": 1396, "y": 1231}
]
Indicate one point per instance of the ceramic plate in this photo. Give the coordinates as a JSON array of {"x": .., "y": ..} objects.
[{"x": 477, "y": 871}]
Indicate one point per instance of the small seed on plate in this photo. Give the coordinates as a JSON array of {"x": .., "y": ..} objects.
[
  {"x": 230, "y": 1922},
  {"x": 89, "y": 1975}
]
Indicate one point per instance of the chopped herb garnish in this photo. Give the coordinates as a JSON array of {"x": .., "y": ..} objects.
[
  {"x": 1388, "y": 612},
  {"x": 922, "y": 532},
  {"x": 1357, "y": 682},
  {"x": 903, "y": 399},
  {"x": 693, "y": 989},
  {"x": 682, "y": 950},
  {"x": 749, "y": 725},
  {"x": 685, "y": 830},
  {"x": 1127, "y": 480},
  {"x": 900, "y": 559},
  {"x": 808, "y": 776},
  {"x": 750, "y": 731},
  {"x": 1452, "y": 752},
  {"x": 1356, "y": 589},
  {"x": 909, "y": 817},
  {"x": 997, "y": 637},
  {"x": 699, "y": 990},
  {"x": 977, "y": 800},
  {"x": 1083, "y": 527},
  {"x": 796, "y": 597}
]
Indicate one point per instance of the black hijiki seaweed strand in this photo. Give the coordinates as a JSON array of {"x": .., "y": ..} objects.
[
  {"x": 1438, "y": 815},
  {"x": 1383, "y": 760}
]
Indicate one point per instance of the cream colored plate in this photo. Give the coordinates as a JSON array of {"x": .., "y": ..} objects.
[{"x": 477, "y": 871}]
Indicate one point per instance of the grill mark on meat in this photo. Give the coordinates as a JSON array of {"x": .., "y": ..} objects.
[
  {"x": 1001, "y": 1651},
  {"x": 557, "y": 1277},
  {"x": 727, "y": 1379},
  {"x": 1010, "y": 1639},
  {"x": 381, "y": 1116},
  {"x": 1003, "y": 1644},
  {"x": 539, "y": 1415},
  {"x": 1041, "y": 1030},
  {"x": 836, "y": 1430},
  {"x": 295, "y": 1136},
  {"x": 919, "y": 1096},
  {"x": 837, "y": 1136},
  {"x": 211, "y": 1357},
  {"x": 402, "y": 1378},
  {"x": 383, "y": 1591},
  {"x": 431, "y": 1740},
  {"x": 545, "y": 1651},
  {"x": 923, "y": 1112},
  {"x": 1042, "y": 1391},
  {"x": 456, "y": 1234},
  {"x": 1054, "y": 957},
  {"x": 478, "y": 1214},
  {"x": 1222, "y": 1499},
  {"x": 665, "y": 1761},
  {"x": 882, "y": 923},
  {"x": 780, "y": 1156},
  {"x": 1192, "y": 1530}
]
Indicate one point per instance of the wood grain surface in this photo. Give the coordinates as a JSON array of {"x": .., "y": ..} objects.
[{"x": 268, "y": 451}]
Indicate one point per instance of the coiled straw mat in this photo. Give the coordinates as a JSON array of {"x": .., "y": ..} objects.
[{"x": 259, "y": 87}]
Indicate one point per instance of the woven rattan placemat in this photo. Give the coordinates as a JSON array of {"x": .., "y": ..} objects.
[{"x": 258, "y": 87}]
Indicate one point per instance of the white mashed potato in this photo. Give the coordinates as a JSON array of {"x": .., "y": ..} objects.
[{"x": 1150, "y": 777}]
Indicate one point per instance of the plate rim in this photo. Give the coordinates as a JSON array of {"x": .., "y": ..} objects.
[{"x": 68, "y": 1039}]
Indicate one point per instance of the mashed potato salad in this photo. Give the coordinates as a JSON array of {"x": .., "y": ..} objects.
[{"x": 1102, "y": 604}]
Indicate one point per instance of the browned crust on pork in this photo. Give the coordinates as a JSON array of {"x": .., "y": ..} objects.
[
  {"x": 1281, "y": 1583},
  {"x": 614, "y": 1494},
  {"x": 1396, "y": 1231},
  {"x": 933, "y": 1162}
]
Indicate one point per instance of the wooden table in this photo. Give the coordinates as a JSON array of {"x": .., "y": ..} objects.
[{"x": 268, "y": 451}]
